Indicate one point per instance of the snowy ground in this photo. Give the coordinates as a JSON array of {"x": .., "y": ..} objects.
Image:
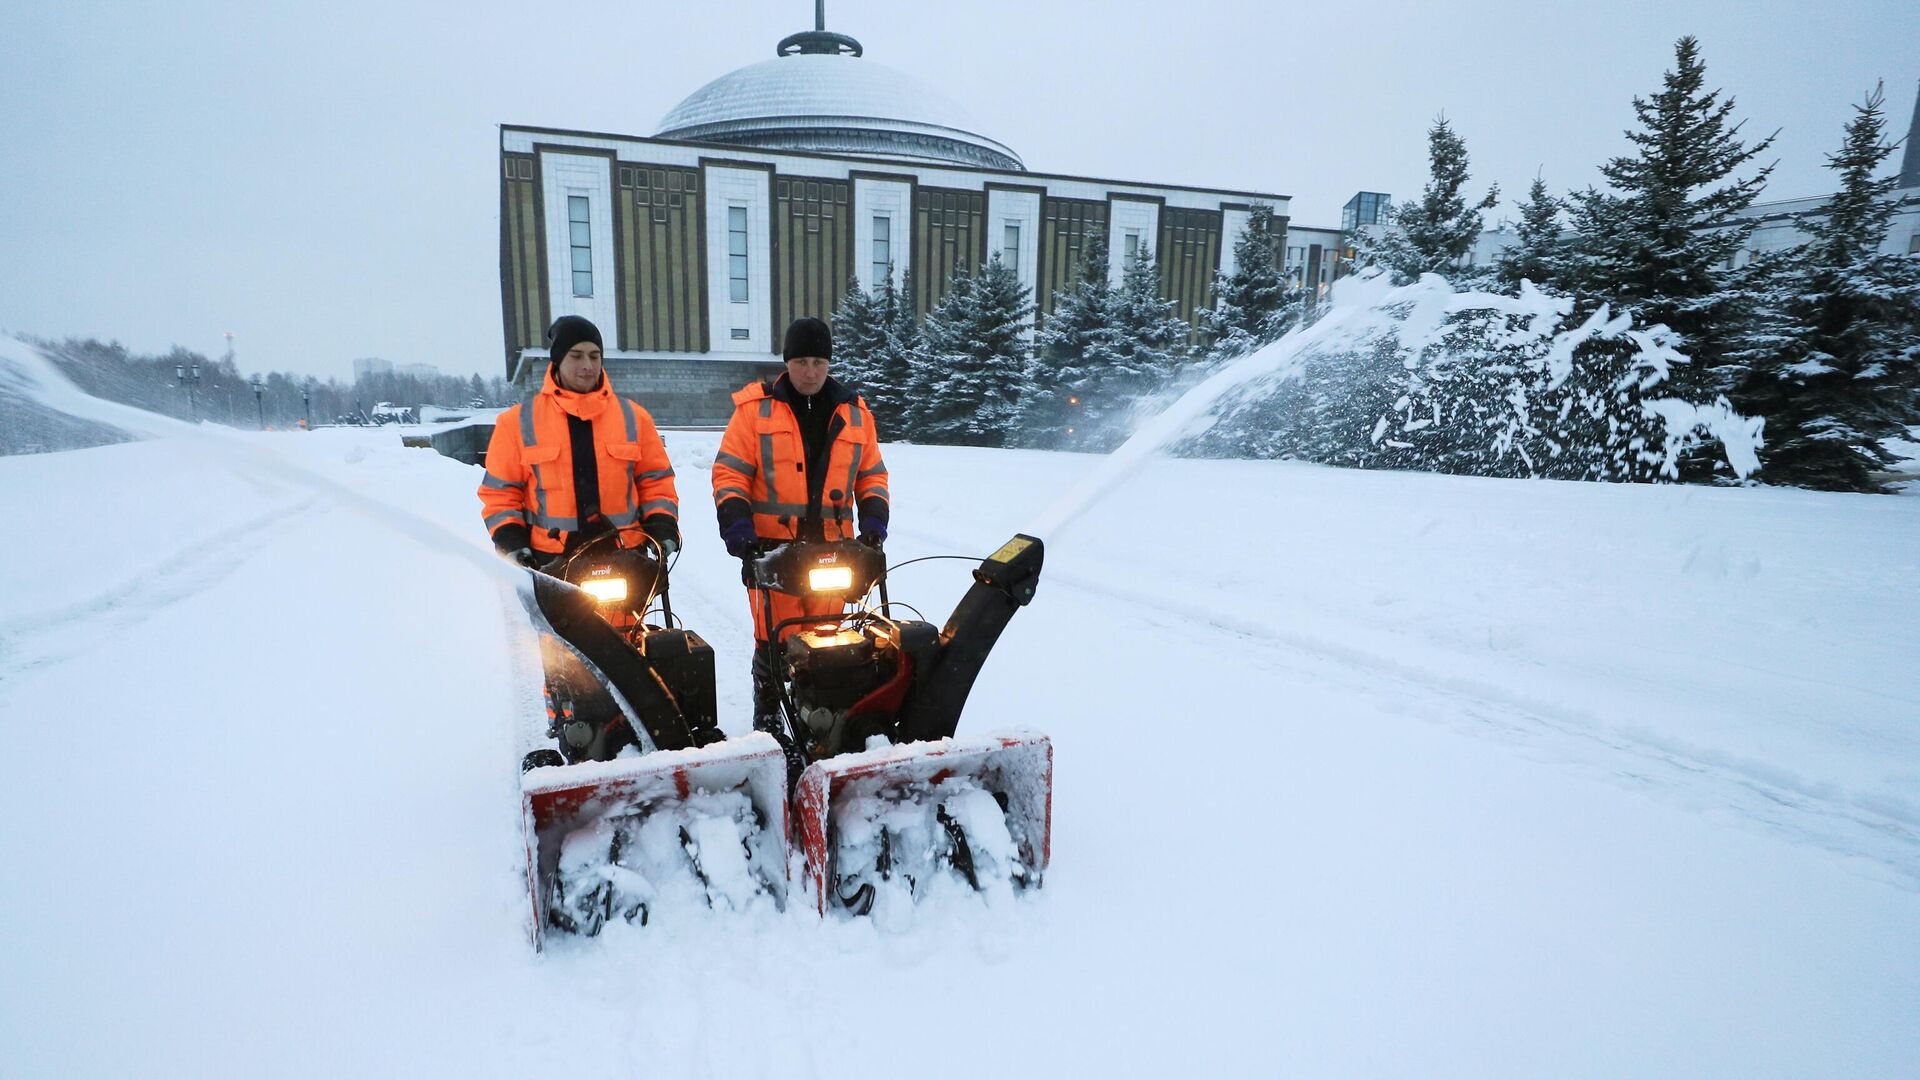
[{"x": 1358, "y": 774}]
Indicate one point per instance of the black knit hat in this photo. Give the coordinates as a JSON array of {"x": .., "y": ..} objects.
[
  {"x": 808, "y": 336},
  {"x": 568, "y": 331}
]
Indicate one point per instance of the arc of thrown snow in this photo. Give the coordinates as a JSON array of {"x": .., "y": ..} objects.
[{"x": 1177, "y": 420}]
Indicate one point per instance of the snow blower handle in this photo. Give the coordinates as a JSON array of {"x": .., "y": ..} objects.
[{"x": 666, "y": 605}]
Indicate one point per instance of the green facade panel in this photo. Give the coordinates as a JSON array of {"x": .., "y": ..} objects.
[
  {"x": 949, "y": 233},
  {"x": 1065, "y": 226},
  {"x": 663, "y": 275},
  {"x": 1189, "y": 257},
  {"x": 523, "y": 299},
  {"x": 813, "y": 244}
]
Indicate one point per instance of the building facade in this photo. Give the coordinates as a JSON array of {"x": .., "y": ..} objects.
[{"x": 770, "y": 192}]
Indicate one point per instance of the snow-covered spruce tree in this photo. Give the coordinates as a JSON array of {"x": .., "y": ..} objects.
[
  {"x": 860, "y": 336},
  {"x": 968, "y": 388},
  {"x": 1073, "y": 343},
  {"x": 1146, "y": 321},
  {"x": 873, "y": 351},
  {"x": 1434, "y": 235},
  {"x": 900, "y": 363},
  {"x": 1145, "y": 344},
  {"x": 1485, "y": 384},
  {"x": 1831, "y": 352},
  {"x": 1654, "y": 244},
  {"x": 1257, "y": 303},
  {"x": 1540, "y": 256}
]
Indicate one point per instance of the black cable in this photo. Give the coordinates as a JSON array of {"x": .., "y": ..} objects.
[{"x": 930, "y": 558}]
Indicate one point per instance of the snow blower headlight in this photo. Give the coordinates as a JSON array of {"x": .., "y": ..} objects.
[
  {"x": 830, "y": 578},
  {"x": 606, "y": 590}
]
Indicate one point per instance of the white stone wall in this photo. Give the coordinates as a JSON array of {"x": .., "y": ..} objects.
[
  {"x": 561, "y": 176},
  {"x": 726, "y": 188},
  {"x": 1020, "y": 208},
  {"x": 1232, "y": 224},
  {"x": 891, "y": 199},
  {"x": 1140, "y": 219}
]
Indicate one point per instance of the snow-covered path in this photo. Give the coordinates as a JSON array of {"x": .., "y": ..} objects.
[{"x": 1357, "y": 774}]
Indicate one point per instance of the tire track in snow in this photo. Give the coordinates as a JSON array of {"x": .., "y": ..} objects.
[
  {"x": 62, "y": 633},
  {"x": 1836, "y": 822},
  {"x": 1841, "y": 822}
]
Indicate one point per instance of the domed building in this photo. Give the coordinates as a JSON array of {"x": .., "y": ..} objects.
[
  {"x": 768, "y": 192},
  {"x": 834, "y": 104}
]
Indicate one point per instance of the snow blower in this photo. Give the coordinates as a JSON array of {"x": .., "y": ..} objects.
[
  {"x": 891, "y": 802},
  {"x": 890, "y": 805},
  {"x": 689, "y": 818}
]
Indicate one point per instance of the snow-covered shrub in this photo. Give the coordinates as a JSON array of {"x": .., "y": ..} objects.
[{"x": 1422, "y": 377}]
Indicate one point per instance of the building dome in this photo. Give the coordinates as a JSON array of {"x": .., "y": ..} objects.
[{"x": 834, "y": 103}]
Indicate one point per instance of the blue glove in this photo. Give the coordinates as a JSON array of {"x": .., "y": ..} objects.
[
  {"x": 873, "y": 532},
  {"x": 739, "y": 537}
]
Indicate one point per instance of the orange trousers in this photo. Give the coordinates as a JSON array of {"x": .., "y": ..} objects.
[{"x": 788, "y": 606}]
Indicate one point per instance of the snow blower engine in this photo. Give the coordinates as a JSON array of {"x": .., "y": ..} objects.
[{"x": 664, "y": 672}]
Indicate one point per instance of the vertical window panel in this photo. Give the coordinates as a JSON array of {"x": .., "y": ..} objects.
[
  {"x": 737, "y": 254},
  {"x": 580, "y": 230}
]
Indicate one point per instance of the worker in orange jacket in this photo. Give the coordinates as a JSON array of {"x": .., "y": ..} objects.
[
  {"x": 575, "y": 461},
  {"x": 799, "y": 461}
]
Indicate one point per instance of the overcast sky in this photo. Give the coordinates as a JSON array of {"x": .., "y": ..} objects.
[{"x": 322, "y": 180}]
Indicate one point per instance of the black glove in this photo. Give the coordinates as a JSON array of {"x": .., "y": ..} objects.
[
  {"x": 525, "y": 557},
  {"x": 665, "y": 532}
]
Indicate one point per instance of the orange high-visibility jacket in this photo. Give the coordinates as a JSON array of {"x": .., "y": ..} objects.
[
  {"x": 529, "y": 478},
  {"x": 761, "y": 462}
]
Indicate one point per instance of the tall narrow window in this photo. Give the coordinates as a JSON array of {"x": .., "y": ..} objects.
[
  {"x": 737, "y": 254},
  {"x": 580, "y": 231},
  {"x": 882, "y": 248},
  {"x": 1010, "y": 246},
  {"x": 1133, "y": 242}
]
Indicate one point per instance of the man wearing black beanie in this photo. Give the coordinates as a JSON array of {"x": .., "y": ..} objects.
[
  {"x": 568, "y": 331},
  {"x": 800, "y": 458},
  {"x": 576, "y": 461}
]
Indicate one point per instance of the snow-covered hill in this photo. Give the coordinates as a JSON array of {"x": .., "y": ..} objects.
[{"x": 1358, "y": 774}]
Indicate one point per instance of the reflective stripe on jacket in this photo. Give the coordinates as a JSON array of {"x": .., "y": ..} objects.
[
  {"x": 529, "y": 469},
  {"x": 762, "y": 462}
]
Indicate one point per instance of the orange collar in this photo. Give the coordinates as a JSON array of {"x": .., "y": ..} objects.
[{"x": 585, "y": 406}]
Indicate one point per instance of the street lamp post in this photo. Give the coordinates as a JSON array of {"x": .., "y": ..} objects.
[
  {"x": 189, "y": 376},
  {"x": 258, "y": 402},
  {"x": 306, "y": 405}
]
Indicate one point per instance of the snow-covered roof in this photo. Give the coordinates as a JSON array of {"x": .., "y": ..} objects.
[{"x": 835, "y": 104}]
